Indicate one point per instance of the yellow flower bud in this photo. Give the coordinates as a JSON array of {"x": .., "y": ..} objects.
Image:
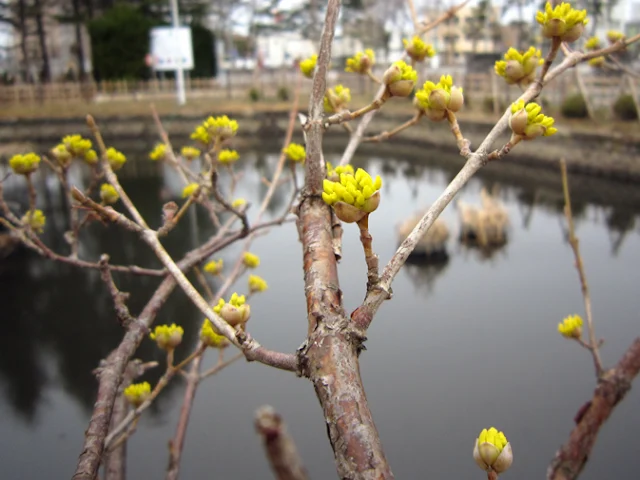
[
  {"x": 238, "y": 202},
  {"x": 35, "y": 219},
  {"x": 116, "y": 159},
  {"x": 210, "y": 337},
  {"x": 250, "y": 260},
  {"x": 214, "y": 267},
  {"x": 434, "y": 99},
  {"x": 257, "y": 284},
  {"x": 562, "y": 21},
  {"x": 159, "y": 152},
  {"x": 354, "y": 196},
  {"x": 91, "y": 157},
  {"x": 235, "y": 312},
  {"x": 336, "y": 99},
  {"x": 400, "y": 79},
  {"x": 24, "y": 164},
  {"x": 492, "y": 451},
  {"x": 308, "y": 66},
  {"x": 108, "y": 194},
  {"x": 361, "y": 62},
  {"x": 529, "y": 122},
  {"x": 137, "y": 393},
  {"x": 571, "y": 327},
  {"x": 190, "y": 189},
  {"x": 417, "y": 49},
  {"x": 295, "y": 153},
  {"x": 167, "y": 337},
  {"x": 189, "y": 153},
  {"x": 62, "y": 155},
  {"x": 228, "y": 156}
]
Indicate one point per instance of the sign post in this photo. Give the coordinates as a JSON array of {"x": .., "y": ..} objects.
[{"x": 172, "y": 50}]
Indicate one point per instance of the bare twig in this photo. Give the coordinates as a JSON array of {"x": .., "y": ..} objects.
[
  {"x": 386, "y": 135},
  {"x": 612, "y": 387},
  {"x": 584, "y": 285},
  {"x": 194, "y": 377},
  {"x": 119, "y": 298},
  {"x": 279, "y": 445},
  {"x": 111, "y": 176}
]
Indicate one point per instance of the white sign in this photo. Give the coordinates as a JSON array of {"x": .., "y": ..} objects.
[{"x": 171, "y": 48}]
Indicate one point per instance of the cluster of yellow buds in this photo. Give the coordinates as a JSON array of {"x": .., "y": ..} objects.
[
  {"x": 571, "y": 327},
  {"x": 563, "y": 22},
  {"x": 108, "y": 194},
  {"x": 24, "y": 164},
  {"x": 354, "y": 196},
  {"x": 76, "y": 145},
  {"x": 189, "y": 153},
  {"x": 210, "y": 337},
  {"x": 238, "y": 202},
  {"x": 159, "y": 152},
  {"x": 228, "y": 157},
  {"x": 250, "y": 260},
  {"x": 519, "y": 67},
  {"x": 235, "y": 312},
  {"x": 167, "y": 337},
  {"x": 308, "y": 65},
  {"x": 400, "y": 79},
  {"x": 62, "y": 155},
  {"x": 91, "y": 157},
  {"x": 492, "y": 451},
  {"x": 257, "y": 284},
  {"x": 190, "y": 189},
  {"x": 137, "y": 393},
  {"x": 215, "y": 128},
  {"x": 592, "y": 44},
  {"x": 596, "y": 62},
  {"x": 295, "y": 152},
  {"x": 614, "y": 36},
  {"x": 528, "y": 122},
  {"x": 336, "y": 99},
  {"x": 361, "y": 62},
  {"x": 434, "y": 99},
  {"x": 115, "y": 158},
  {"x": 35, "y": 219},
  {"x": 333, "y": 174},
  {"x": 214, "y": 267},
  {"x": 418, "y": 49}
]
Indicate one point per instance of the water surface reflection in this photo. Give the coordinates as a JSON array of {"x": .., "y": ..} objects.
[{"x": 466, "y": 343}]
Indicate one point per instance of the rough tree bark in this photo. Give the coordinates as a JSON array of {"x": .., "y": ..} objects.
[{"x": 329, "y": 357}]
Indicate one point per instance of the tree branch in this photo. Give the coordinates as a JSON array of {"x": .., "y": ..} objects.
[
  {"x": 612, "y": 388},
  {"x": 279, "y": 445}
]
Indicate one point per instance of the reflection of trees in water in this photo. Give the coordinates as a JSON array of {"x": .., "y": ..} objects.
[
  {"x": 67, "y": 313},
  {"x": 620, "y": 221},
  {"x": 424, "y": 272},
  {"x": 537, "y": 198}
]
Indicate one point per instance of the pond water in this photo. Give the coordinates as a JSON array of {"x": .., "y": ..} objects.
[{"x": 462, "y": 346}]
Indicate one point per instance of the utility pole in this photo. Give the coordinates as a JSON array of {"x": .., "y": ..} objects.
[{"x": 175, "y": 22}]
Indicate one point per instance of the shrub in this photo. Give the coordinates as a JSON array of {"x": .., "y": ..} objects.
[
  {"x": 283, "y": 94},
  {"x": 254, "y": 94},
  {"x": 625, "y": 108},
  {"x": 574, "y": 106}
]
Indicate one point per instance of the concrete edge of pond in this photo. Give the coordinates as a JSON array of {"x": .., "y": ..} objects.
[{"x": 606, "y": 155}]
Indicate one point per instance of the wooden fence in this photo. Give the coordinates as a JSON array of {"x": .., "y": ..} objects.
[{"x": 479, "y": 87}]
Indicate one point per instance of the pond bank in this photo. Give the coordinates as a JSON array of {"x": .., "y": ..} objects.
[{"x": 608, "y": 154}]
